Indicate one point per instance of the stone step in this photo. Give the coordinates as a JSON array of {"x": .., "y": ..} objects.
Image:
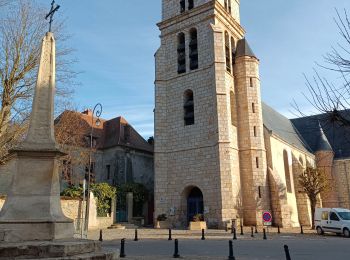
[
  {"x": 91, "y": 256},
  {"x": 123, "y": 226},
  {"x": 48, "y": 249}
]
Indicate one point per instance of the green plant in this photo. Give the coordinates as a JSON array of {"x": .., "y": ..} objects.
[
  {"x": 140, "y": 196},
  {"x": 198, "y": 218},
  {"x": 104, "y": 194},
  {"x": 73, "y": 192},
  {"x": 162, "y": 217}
]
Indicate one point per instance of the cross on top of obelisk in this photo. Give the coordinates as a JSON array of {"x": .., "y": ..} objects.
[{"x": 53, "y": 10}]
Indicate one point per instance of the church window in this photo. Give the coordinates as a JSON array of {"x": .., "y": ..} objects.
[
  {"x": 287, "y": 171},
  {"x": 257, "y": 162},
  {"x": 190, "y": 4},
  {"x": 229, "y": 6},
  {"x": 181, "y": 53},
  {"x": 182, "y": 6},
  {"x": 233, "y": 108},
  {"x": 193, "y": 49},
  {"x": 227, "y": 52},
  {"x": 253, "y": 107},
  {"x": 233, "y": 51},
  {"x": 188, "y": 107},
  {"x": 251, "y": 82},
  {"x": 255, "y": 133},
  {"x": 226, "y": 4},
  {"x": 259, "y": 191}
]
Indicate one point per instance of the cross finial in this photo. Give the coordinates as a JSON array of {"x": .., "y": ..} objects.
[{"x": 53, "y": 10}]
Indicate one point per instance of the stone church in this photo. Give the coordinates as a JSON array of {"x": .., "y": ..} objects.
[{"x": 219, "y": 150}]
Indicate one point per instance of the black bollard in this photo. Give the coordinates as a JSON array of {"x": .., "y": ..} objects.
[
  {"x": 256, "y": 230},
  {"x": 170, "y": 238},
  {"x": 278, "y": 229},
  {"x": 101, "y": 237},
  {"x": 122, "y": 248},
  {"x": 231, "y": 256},
  {"x": 265, "y": 237},
  {"x": 176, "y": 252},
  {"x": 203, "y": 236},
  {"x": 136, "y": 236},
  {"x": 234, "y": 234},
  {"x": 242, "y": 233},
  {"x": 252, "y": 232},
  {"x": 286, "y": 250},
  {"x": 301, "y": 229}
]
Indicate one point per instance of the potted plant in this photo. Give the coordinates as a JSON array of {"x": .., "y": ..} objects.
[
  {"x": 198, "y": 222},
  {"x": 162, "y": 222}
]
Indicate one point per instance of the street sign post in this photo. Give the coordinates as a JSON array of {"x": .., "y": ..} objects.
[{"x": 267, "y": 218}]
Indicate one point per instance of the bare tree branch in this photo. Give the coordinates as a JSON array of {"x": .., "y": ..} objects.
[{"x": 22, "y": 28}]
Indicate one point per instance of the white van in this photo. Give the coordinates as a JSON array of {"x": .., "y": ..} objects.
[{"x": 334, "y": 220}]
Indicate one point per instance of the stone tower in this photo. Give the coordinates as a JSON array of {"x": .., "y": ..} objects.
[
  {"x": 324, "y": 162},
  {"x": 251, "y": 145},
  {"x": 202, "y": 110}
]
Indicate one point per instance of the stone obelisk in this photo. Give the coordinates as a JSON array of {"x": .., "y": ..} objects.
[{"x": 32, "y": 210}]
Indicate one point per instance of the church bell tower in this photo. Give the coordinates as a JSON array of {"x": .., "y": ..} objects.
[{"x": 200, "y": 141}]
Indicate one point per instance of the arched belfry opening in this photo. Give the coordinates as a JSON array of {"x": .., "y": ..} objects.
[{"x": 195, "y": 203}]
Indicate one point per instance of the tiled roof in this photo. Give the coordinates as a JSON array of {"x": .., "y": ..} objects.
[
  {"x": 243, "y": 49},
  {"x": 114, "y": 132},
  {"x": 338, "y": 135},
  {"x": 283, "y": 128}
]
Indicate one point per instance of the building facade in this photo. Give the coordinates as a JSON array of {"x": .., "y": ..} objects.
[{"x": 219, "y": 150}]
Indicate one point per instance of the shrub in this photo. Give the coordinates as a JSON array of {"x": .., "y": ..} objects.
[
  {"x": 162, "y": 217},
  {"x": 104, "y": 194},
  {"x": 198, "y": 218},
  {"x": 73, "y": 192}
]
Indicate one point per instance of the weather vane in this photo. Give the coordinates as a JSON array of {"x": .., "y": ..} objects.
[{"x": 53, "y": 10}]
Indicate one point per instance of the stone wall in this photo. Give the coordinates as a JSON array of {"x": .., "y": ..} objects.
[
  {"x": 290, "y": 208},
  {"x": 341, "y": 174},
  {"x": 171, "y": 8},
  {"x": 6, "y": 176},
  {"x": 72, "y": 208}
]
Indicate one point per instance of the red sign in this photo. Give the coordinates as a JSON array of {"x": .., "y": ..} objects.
[{"x": 267, "y": 218}]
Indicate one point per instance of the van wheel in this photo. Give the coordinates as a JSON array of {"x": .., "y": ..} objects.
[
  {"x": 346, "y": 232},
  {"x": 319, "y": 231}
]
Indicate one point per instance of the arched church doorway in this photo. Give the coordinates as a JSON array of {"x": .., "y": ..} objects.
[{"x": 195, "y": 204}]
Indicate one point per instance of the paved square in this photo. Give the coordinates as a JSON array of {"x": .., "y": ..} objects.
[{"x": 153, "y": 244}]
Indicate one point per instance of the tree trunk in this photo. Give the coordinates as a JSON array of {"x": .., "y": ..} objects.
[{"x": 313, "y": 202}]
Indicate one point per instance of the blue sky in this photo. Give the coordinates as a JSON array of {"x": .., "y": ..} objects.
[{"x": 115, "y": 42}]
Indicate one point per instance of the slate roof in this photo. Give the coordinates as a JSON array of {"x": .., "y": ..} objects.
[
  {"x": 283, "y": 128},
  {"x": 338, "y": 136},
  {"x": 243, "y": 49},
  {"x": 114, "y": 132},
  {"x": 323, "y": 143}
]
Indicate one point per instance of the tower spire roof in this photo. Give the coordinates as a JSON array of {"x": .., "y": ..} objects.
[
  {"x": 243, "y": 49},
  {"x": 323, "y": 143}
]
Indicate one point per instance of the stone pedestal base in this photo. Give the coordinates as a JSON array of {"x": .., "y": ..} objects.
[
  {"x": 17, "y": 232},
  {"x": 54, "y": 250}
]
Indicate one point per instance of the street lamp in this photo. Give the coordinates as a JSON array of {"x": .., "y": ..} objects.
[{"x": 97, "y": 111}]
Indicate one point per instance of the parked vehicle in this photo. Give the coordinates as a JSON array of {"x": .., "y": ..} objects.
[{"x": 335, "y": 220}]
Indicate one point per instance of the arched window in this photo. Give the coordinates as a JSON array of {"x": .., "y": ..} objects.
[
  {"x": 193, "y": 49},
  {"x": 233, "y": 51},
  {"x": 229, "y": 6},
  {"x": 182, "y": 6},
  {"x": 233, "y": 108},
  {"x": 226, "y": 4},
  {"x": 181, "y": 53},
  {"x": 227, "y": 52},
  {"x": 287, "y": 171},
  {"x": 188, "y": 107},
  {"x": 190, "y": 4}
]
